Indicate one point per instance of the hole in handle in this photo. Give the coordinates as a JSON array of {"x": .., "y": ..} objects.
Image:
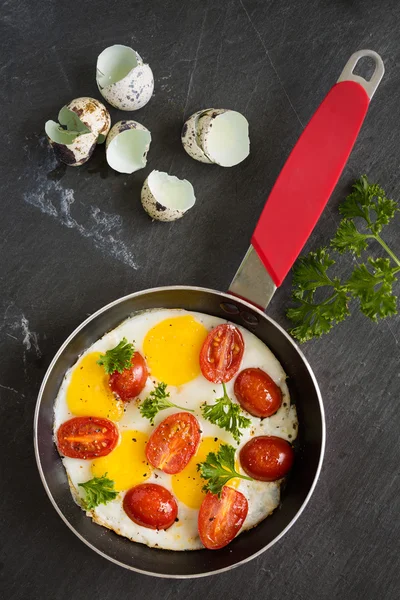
[
  {"x": 365, "y": 68},
  {"x": 349, "y": 72}
]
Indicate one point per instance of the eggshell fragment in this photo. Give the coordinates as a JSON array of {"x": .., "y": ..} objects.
[
  {"x": 189, "y": 137},
  {"x": 204, "y": 123},
  {"x": 123, "y": 79},
  {"x": 217, "y": 136},
  {"x": 224, "y": 137},
  {"x": 93, "y": 114},
  {"x": 72, "y": 141},
  {"x": 165, "y": 197},
  {"x": 127, "y": 145},
  {"x": 81, "y": 124},
  {"x": 76, "y": 153}
]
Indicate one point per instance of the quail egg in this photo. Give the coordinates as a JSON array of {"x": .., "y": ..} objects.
[
  {"x": 123, "y": 79},
  {"x": 165, "y": 197},
  {"x": 82, "y": 124},
  {"x": 218, "y": 136},
  {"x": 127, "y": 145}
]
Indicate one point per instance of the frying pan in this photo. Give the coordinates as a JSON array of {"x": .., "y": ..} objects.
[{"x": 294, "y": 205}]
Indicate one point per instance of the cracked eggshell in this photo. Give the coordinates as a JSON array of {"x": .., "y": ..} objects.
[
  {"x": 123, "y": 79},
  {"x": 76, "y": 153},
  {"x": 204, "y": 123},
  {"x": 81, "y": 124},
  {"x": 165, "y": 197},
  {"x": 190, "y": 139},
  {"x": 127, "y": 146},
  {"x": 93, "y": 114},
  {"x": 223, "y": 135}
]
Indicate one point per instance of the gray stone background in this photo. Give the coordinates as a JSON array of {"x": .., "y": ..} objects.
[{"x": 73, "y": 240}]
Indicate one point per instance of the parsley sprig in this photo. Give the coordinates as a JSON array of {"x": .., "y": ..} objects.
[
  {"x": 98, "y": 490},
  {"x": 158, "y": 400},
  {"x": 227, "y": 415},
  {"x": 314, "y": 318},
  {"x": 118, "y": 358},
  {"x": 218, "y": 469},
  {"x": 321, "y": 301}
]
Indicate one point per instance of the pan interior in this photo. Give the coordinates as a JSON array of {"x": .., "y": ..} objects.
[{"x": 310, "y": 444}]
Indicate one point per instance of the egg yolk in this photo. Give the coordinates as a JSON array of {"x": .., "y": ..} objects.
[
  {"x": 88, "y": 393},
  {"x": 126, "y": 465},
  {"x": 172, "y": 349},
  {"x": 188, "y": 484}
]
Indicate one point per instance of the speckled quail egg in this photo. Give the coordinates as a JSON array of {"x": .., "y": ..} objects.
[
  {"x": 165, "y": 197},
  {"x": 81, "y": 124},
  {"x": 127, "y": 145},
  {"x": 123, "y": 79},
  {"x": 218, "y": 136},
  {"x": 190, "y": 140},
  {"x": 94, "y": 115}
]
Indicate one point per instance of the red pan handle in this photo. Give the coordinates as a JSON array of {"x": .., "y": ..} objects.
[
  {"x": 305, "y": 183},
  {"x": 311, "y": 172}
]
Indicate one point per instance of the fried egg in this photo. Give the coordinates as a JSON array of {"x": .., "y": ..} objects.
[
  {"x": 88, "y": 393},
  {"x": 126, "y": 465},
  {"x": 170, "y": 341}
]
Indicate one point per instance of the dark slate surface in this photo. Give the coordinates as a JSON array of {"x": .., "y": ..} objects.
[{"x": 75, "y": 239}]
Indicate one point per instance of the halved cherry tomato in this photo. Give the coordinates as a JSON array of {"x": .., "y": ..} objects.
[
  {"x": 257, "y": 392},
  {"x": 221, "y": 518},
  {"x": 151, "y": 505},
  {"x": 221, "y": 353},
  {"x": 173, "y": 443},
  {"x": 87, "y": 437},
  {"x": 267, "y": 458},
  {"x": 130, "y": 382}
]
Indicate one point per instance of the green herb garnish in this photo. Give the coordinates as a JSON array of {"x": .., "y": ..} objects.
[
  {"x": 98, "y": 490},
  {"x": 227, "y": 415},
  {"x": 118, "y": 358},
  {"x": 219, "y": 468},
  {"x": 158, "y": 400},
  {"x": 321, "y": 301}
]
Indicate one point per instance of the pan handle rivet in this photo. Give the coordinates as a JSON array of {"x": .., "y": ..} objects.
[
  {"x": 229, "y": 308},
  {"x": 249, "y": 318}
]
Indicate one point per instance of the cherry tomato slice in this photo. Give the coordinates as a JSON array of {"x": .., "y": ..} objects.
[
  {"x": 130, "y": 382},
  {"x": 173, "y": 443},
  {"x": 220, "y": 519},
  {"x": 266, "y": 458},
  {"x": 87, "y": 437},
  {"x": 257, "y": 392},
  {"x": 221, "y": 353},
  {"x": 150, "y": 505}
]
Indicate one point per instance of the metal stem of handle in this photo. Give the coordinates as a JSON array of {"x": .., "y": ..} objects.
[
  {"x": 371, "y": 85},
  {"x": 252, "y": 281}
]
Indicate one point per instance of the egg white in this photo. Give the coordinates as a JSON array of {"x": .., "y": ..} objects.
[{"x": 263, "y": 497}]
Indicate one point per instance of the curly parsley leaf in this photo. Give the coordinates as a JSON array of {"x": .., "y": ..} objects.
[
  {"x": 98, "y": 490},
  {"x": 358, "y": 203},
  {"x": 349, "y": 239},
  {"x": 218, "y": 469},
  {"x": 310, "y": 272},
  {"x": 369, "y": 201},
  {"x": 372, "y": 284},
  {"x": 312, "y": 318},
  {"x": 158, "y": 400},
  {"x": 385, "y": 210},
  {"x": 227, "y": 415},
  {"x": 118, "y": 358}
]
